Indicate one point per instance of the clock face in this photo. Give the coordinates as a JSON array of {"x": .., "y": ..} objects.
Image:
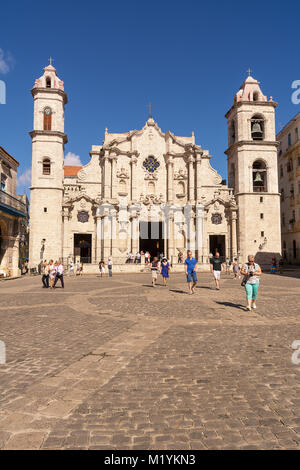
[{"x": 47, "y": 111}]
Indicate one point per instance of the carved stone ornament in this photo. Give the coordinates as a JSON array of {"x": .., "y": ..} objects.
[
  {"x": 151, "y": 199},
  {"x": 83, "y": 216},
  {"x": 82, "y": 175},
  {"x": 180, "y": 174},
  {"x": 122, "y": 173},
  {"x": 216, "y": 219}
]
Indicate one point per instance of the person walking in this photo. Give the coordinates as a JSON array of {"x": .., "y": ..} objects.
[
  {"x": 252, "y": 273},
  {"x": 59, "y": 275},
  {"x": 236, "y": 269},
  {"x": 102, "y": 268},
  {"x": 216, "y": 268},
  {"x": 45, "y": 276},
  {"x": 71, "y": 268},
  {"x": 52, "y": 273},
  {"x": 109, "y": 266},
  {"x": 165, "y": 269},
  {"x": 190, "y": 272},
  {"x": 154, "y": 269}
]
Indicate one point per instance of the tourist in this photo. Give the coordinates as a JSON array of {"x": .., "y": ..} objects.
[
  {"x": 180, "y": 257},
  {"x": 190, "y": 272},
  {"x": 81, "y": 268},
  {"x": 251, "y": 272},
  {"x": 227, "y": 265},
  {"x": 236, "y": 269},
  {"x": 128, "y": 259},
  {"x": 102, "y": 268},
  {"x": 71, "y": 268},
  {"x": 59, "y": 275},
  {"x": 77, "y": 268},
  {"x": 109, "y": 266},
  {"x": 154, "y": 269},
  {"x": 165, "y": 269},
  {"x": 45, "y": 275},
  {"x": 52, "y": 272},
  {"x": 216, "y": 268},
  {"x": 273, "y": 267},
  {"x": 138, "y": 258},
  {"x": 147, "y": 257}
]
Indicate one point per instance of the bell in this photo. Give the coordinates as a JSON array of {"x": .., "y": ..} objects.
[
  {"x": 256, "y": 128},
  {"x": 258, "y": 178}
]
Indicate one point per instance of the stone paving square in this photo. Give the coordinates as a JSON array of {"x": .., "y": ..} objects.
[{"x": 117, "y": 364}]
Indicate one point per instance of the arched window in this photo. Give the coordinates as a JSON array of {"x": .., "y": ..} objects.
[
  {"x": 232, "y": 132},
  {"x": 255, "y": 96},
  {"x": 257, "y": 127},
  {"x": 47, "y": 119},
  {"x": 46, "y": 166},
  {"x": 151, "y": 187},
  {"x": 48, "y": 82},
  {"x": 259, "y": 177}
]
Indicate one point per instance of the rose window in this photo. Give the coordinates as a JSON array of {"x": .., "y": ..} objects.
[{"x": 151, "y": 164}]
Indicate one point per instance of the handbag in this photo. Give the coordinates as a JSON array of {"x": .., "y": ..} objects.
[{"x": 245, "y": 280}]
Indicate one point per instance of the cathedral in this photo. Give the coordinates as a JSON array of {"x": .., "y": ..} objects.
[{"x": 149, "y": 190}]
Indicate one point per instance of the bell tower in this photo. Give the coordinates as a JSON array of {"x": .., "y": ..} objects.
[
  {"x": 252, "y": 172},
  {"x": 48, "y": 140}
]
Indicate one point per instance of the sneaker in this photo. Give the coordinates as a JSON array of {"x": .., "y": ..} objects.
[
  {"x": 254, "y": 306},
  {"x": 248, "y": 308}
]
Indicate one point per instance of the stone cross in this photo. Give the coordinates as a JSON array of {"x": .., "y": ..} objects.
[
  {"x": 50, "y": 60},
  {"x": 150, "y": 109}
]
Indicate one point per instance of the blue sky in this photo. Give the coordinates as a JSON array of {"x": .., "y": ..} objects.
[{"x": 188, "y": 58}]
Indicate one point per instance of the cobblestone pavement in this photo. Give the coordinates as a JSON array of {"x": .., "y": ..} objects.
[{"x": 116, "y": 364}]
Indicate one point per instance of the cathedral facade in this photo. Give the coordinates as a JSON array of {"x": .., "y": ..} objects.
[{"x": 146, "y": 190}]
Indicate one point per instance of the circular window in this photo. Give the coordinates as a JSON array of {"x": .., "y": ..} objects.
[{"x": 151, "y": 164}]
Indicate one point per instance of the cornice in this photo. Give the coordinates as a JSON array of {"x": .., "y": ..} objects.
[
  {"x": 35, "y": 133},
  {"x": 51, "y": 91},
  {"x": 253, "y": 143},
  {"x": 251, "y": 103}
]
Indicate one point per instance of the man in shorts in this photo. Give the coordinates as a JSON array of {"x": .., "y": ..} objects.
[
  {"x": 190, "y": 272},
  {"x": 216, "y": 268}
]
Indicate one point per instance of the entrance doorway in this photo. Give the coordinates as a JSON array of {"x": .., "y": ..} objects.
[
  {"x": 152, "y": 238},
  {"x": 217, "y": 244},
  {"x": 83, "y": 247}
]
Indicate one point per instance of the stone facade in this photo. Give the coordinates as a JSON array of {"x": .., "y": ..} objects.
[
  {"x": 13, "y": 218},
  {"x": 289, "y": 186},
  {"x": 142, "y": 190},
  {"x": 252, "y": 172}
]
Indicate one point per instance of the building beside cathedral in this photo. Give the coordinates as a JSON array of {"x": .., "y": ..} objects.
[
  {"x": 289, "y": 186},
  {"x": 149, "y": 190}
]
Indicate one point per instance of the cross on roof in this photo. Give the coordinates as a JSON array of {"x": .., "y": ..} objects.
[
  {"x": 50, "y": 60},
  {"x": 150, "y": 109},
  {"x": 249, "y": 71}
]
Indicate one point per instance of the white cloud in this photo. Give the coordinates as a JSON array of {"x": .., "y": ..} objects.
[
  {"x": 6, "y": 62},
  {"x": 24, "y": 179},
  {"x": 72, "y": 159}
]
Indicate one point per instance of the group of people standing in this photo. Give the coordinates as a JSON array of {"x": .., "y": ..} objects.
[{"x": 51, "y": 273}]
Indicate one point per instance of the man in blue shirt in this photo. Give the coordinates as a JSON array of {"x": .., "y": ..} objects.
[{"x": 190, "y": 272}]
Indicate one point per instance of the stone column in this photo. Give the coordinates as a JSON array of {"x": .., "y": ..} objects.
[
  {"x": 198, "y": 177},
  {"x": 191, "y": 178},
  {"x": 170, "y": 166},
  {"x": 106, "y": 177},
  {"x": 98, "y": 238},
  {"x": 113, "y": 160},
  {"x": 199, "y": 232},
  {"x": 133, "y": 162},
  {"x": 106, "y": 235},
  {"x": 15, "y": 256},
  {"x": 233, "y": 235},
  {"x": 114, "y": 233}
]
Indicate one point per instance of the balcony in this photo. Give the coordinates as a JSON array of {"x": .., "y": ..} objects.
[
  {"x": 259, "y": 189},
  {"x": 11, "y": 205}
]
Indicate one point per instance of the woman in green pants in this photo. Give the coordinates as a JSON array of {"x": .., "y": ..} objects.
[{"x": 252, "y": 273}]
